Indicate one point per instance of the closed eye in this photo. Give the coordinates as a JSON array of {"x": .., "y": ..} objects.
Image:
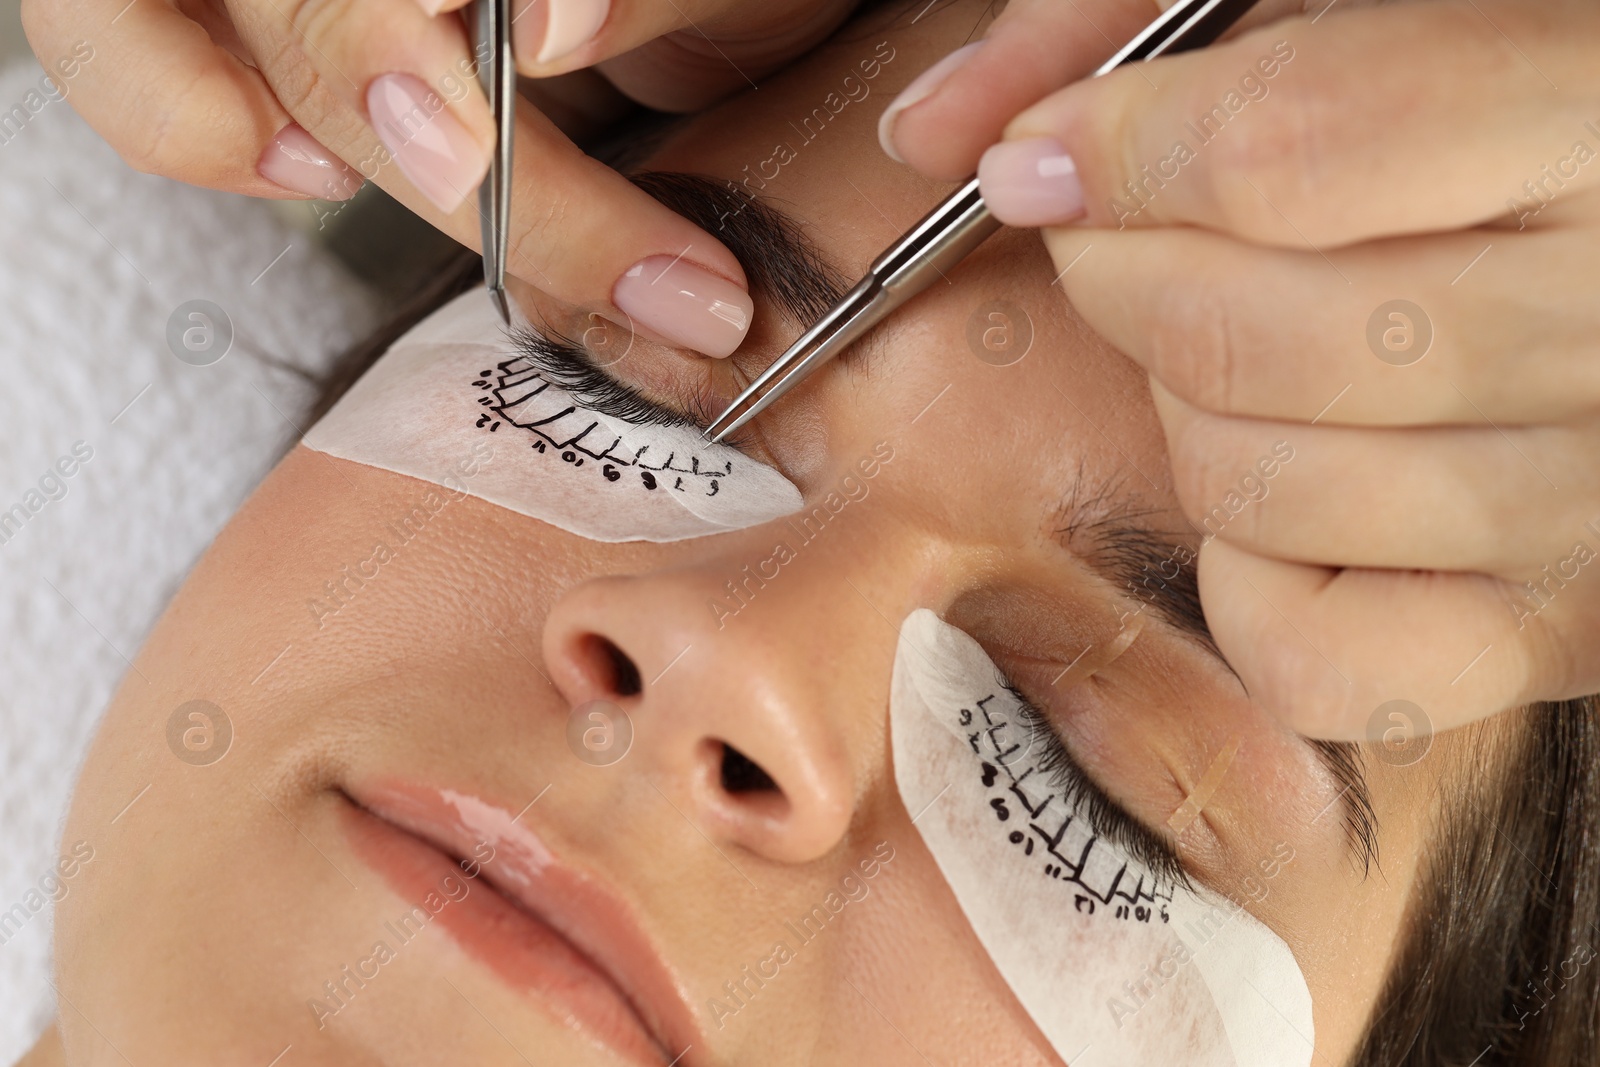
[
  {"x": 1108, "y": 819},
  {"x": 567, "y": 364}
]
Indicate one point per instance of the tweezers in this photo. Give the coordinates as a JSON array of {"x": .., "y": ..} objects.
[
  {"x": 497, "y": 73},
  {"x": 945, "y": 235}
]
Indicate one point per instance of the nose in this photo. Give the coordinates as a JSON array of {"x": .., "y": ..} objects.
[{"x": 750, "y": 721}]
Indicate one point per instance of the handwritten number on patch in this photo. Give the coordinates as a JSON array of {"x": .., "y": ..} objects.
[{"x": 574, "y": 451}]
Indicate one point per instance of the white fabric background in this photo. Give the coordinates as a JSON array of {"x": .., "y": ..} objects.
[{"x": 93, "y": 259}]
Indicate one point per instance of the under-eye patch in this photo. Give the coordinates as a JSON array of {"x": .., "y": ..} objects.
[
  {"x": 454, "y": 403},
  {"x": 1115, "y": 962}
]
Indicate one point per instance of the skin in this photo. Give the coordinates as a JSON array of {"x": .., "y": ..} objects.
[{"x": 220, "y": 900}]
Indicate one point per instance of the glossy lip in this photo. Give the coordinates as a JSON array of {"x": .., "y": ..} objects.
[{"x": 548, "y": 929}]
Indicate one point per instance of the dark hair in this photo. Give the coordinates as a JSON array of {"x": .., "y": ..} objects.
[{"x": 1498, "y": 968}]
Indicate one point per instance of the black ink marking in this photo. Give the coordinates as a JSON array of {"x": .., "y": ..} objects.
[
  {"x": 523, "y": 397},
  {"x": 1075, "y": 855}
]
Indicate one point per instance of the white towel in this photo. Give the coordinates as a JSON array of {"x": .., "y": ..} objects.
[{"x": 94, "y": 258}]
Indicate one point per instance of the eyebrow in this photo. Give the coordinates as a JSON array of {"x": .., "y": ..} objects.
[
  {"x": 1126, "y": 546},
  {"x": 1101, "y": 524}
]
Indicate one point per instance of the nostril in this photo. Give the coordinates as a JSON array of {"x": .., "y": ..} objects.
[
  {"x": 617, "y": 672},
  {"x": 740, "y": 774}
]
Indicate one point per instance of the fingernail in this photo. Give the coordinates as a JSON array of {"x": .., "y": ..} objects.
[
  {"x": 685, "y": 305},
  {"x": 1030, "y": 183},
  {"x": 430, "y": 6},
  {"x": 296, "y": 160},
  {"x": 547, "y": 30},
  {"x": 433, "y": 149},
  {"x": 921, "y": 87}
]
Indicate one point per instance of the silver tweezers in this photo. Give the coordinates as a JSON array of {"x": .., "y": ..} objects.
[
  {"x": 497, "y": 73},
  {"x": 945, "y": 235}
]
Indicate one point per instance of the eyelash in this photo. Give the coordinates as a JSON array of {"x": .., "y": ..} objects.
[
  {"x": 1106, "y": 817},
  {"x": 567, "y": 364}
]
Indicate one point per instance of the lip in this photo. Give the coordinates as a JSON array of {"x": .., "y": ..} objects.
[{"x": 544, "y": 928}]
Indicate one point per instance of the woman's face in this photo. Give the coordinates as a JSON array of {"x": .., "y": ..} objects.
[{"x": 1018, "y": 487}]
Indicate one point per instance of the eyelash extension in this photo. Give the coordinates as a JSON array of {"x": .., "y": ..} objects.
[
  {"x": 1107, "y": 818},
  {"x": 567, "y": 364}
]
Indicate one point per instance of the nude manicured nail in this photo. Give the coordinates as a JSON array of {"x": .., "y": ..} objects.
[
  {"x": 430, "y": 6},
  {"x": 298, "y": 161},
  {"x": 433, "y": 149},
  {"x": 1030, "y": 183},
  {"x": 921, "y": 87},
  {"x": 547, "y": 30},
  {"x": 685, "y": 305}
]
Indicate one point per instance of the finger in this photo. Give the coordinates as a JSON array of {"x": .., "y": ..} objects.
[
  {"x": 171, "y": 102},
  {"x": 676, "y": 56},
  {"x": 1450, "y": 328},
  {"x": 583, "y": 105},
  {"x": 1402, "y": 118},
  {"x": 945, "y": 118},
  {"x": 1459, "y": 498},
  {"x": 1330, "y": 651},
  {"x": 584, "y": 234},
  {"x": 579, "y": 230},
  {"x": 685, "y": 70},
  {"x": 333, "y": 62}
]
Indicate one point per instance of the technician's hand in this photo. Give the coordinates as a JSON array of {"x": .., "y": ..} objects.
[
  {"x": 1374, "y": 236},
  {"x": 301, "y": 98}
]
